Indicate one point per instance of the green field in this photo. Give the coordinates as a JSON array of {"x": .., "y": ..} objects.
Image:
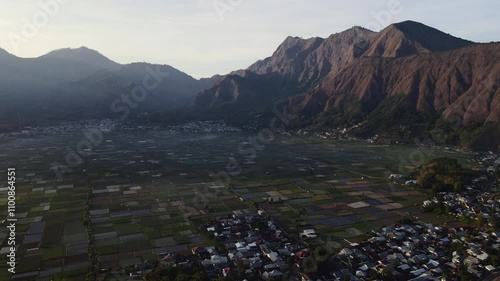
[{"x": 144, "y": 186}]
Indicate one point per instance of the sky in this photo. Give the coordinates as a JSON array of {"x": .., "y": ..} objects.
[{"x": 208, "y": 37}]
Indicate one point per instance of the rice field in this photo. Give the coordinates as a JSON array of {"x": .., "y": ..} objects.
[{"x": 133, "y": 195}]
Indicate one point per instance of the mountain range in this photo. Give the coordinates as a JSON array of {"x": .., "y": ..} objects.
[
  {"x": 72, "y": 84},
  {"x": 403, "y": 82}
]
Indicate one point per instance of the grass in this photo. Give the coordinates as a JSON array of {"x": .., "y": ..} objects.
[
  {"x": 77, "y": 274},
  {"x": 108, "y": 250},
  {"x": 73, "y": 238},
  {"x": 29, "y": 265},
  {"x": 53, "y": 252},
  {"x": 107, "y": 241},
  {"x": 358, "y": 239},
  {"x": 410, "y": 200},
  {"x": 163, "y": 242},
  {"x": 73, "y": 227},
  {"x": 52, "y": 233},
  {"x": 127, "y": 228},
  {"x": 136, "y": 245},
  {"x": 181, "y": 239},
  {"x": 4, "y": 274},
  {"x": 152, "y": 234}
]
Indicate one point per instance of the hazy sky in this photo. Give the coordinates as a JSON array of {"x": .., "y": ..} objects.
[{"x": 206, "y": 37}]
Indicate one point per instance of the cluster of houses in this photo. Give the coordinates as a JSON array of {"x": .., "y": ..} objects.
[
  {"x": 418, "y": 252},
  {"x": 71, "y": 126},
  {"x": 400, "y": 179},
  {"x": 251, "y": 241},
  {"x": 489, "y": 161},
  {"x": 414, "y": 251},
  {"x": 248, "y": 243},
  {"x": 105, "y": 125},
  {"x": 485, "y": 204},
  {"x": 209, "y": 126}
]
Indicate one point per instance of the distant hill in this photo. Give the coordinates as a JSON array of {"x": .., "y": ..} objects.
[
  {"x": 82, "y": 83},
  {"x": 26, "y": 75},
  {"x": 82, "y": 55}
]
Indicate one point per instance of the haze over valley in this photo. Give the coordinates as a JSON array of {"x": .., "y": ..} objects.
[
  {"x": 366, "y": 149},
  {"x": 406, "y": 74}
]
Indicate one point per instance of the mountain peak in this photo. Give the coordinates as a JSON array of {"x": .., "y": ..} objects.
[
  {"x": 414, "y": 29},
  {"x": 352, "y": 35},
  {"x": 410, "y": 23},
  {"x": 360, "y": 28},
  {"x": 71, "y": 52},
  {"x": 4, "y": 53},
  {"x": 410, "y": 37},
  {"x": 292, "y": 41},
  {"x": 83, "y": 55}
]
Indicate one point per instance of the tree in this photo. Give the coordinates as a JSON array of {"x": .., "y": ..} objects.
[
  {"x": 295, "y": 225},
  {"x": 444, "y": 174},
  {"x": 241, "y": 266},
  {"x": 303, "y": 212},
  {"x": 255, "y": 205},
  {"x": 310, "y": 265},
  {"x": 387, "y": 271},
  {"x": 290, "y": 262},
  {"x": 495, "y": 221},
  {"x": 437, "y": 187},
  {"x": 181, "y": 276},
  {"x": 464, "y": 275},
  {"x": 481, "y": 220},
  {"x": 262, "y": 225},
  {"x": 172, "y": 273},
  {"x": 199, "y": 275},
  {"x": 425, "y": 179},
  {"x": 438, "y": 209}
]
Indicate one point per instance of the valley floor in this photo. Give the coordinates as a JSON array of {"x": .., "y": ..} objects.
[{"x": 134, "y": 195}]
